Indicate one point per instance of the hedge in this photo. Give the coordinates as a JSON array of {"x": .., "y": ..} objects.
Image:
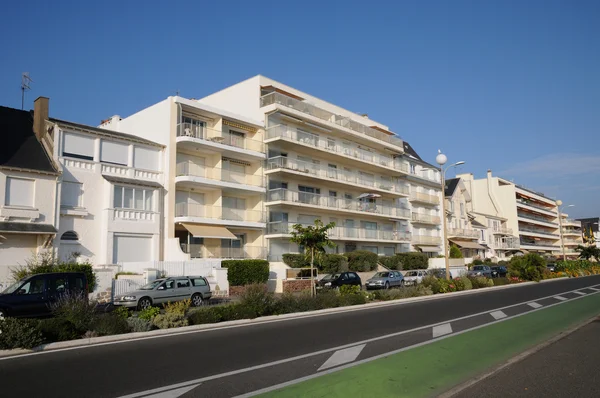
[
  {"x": 529, "y": 267},
  {"x": 391, "y": 262},
  {"x": 246, "y": 272},
  {"x": 413, "y": 260},
  {"x": 295, "y": 260},
  {"x": 328, "y": 263},
  {"x": 362, "y": 261}
]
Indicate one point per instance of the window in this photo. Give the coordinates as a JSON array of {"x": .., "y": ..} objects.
[
  {"x": 452, "y": 206},
  {"x": 19, "y": 192},
  {"x": 78, "y": 146},
  {"x": 34, "y": 286},
  {"x": 71, "y": 194},
  {"x": 332, "y": 171},
  {"x": 133, "y": 198},
  {"x": 372, "y": 249},
  {"x": 114, "y": 153},
  {"x": 389, "y": 251},
  {"x": 57, "y": 284},
  {"x": 462, "y": 209},
  {"x": 145, "y": 158},
  {"x": 70, "y": 236},
  {"x": 183, "y": 283},
  {"x": 367, "y": 179},
  {"x": 170, "y": 284},
  {"x": 198, "y": 282},
  {"x": 331, "y": 144},
  {"x": 482, "y": 235},
  {"x": 412, "y": 169},
  {"x": 307, "y": 138}
]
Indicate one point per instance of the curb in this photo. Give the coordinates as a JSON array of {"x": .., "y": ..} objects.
[
  {"x": 248, "y": 322},
  {"x": 461, "y": 387}
]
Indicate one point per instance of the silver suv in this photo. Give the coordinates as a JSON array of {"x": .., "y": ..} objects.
[{"x": 161, "y": 291}]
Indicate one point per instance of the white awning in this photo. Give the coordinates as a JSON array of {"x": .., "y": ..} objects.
[
  {"x": 467, "y": 244},
  {"x": 369, "y": 195},
  {"x": 208, "y": 231},
  {"x": 428, "y": 249}
]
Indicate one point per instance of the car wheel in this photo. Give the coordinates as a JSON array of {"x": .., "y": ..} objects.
[
  {"x": 387, "y": 285},
  {"x": 2, "y": 314},
  {"x": 144, "y": 303},
  {"x": 197, "y": 300}
]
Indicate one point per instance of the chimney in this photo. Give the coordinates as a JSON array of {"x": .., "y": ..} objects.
[
  {"x": 40, "y": 115},
  {"x": 489, "y": 173}
]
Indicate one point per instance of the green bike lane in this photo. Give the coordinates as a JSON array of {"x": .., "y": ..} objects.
[{"x": 436, "y": 367}]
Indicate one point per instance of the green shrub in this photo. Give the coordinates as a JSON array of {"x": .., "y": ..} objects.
[
  {"x": 19, "y": 333},
  {"x": 529, "y": 267},
  {"x": 57, "y": 329},
  {"x": 459, "y": 284},
  {"x": 149, "y": 313},
  {"x": 295, "y": 260},
  {"x": 76, "y": 310},
  {"x": 123, "y": 312},
  {"x": 362, "y": 261},
  {"x": 178, "y": 307},
  {"x": 170, "y": 320},
  {"x": 352, "y": 299},
  {"x": 455, "y": 252},
  {"x": 479, "y": 282},
  {"x": 246, "y": 272},
  {"x": 502, "y": 262},
  {"x": 445, "y": 286},
  {"x": 331, "y": 263},
  {"x": 477, "y": 262},
  {"x": 391, "y": 262},
  {"x": 219, "y": 313},
  {"x": 487, "y": 261},
  {"x": 406, "y": 292},
  {"x": 349, "y": 289},
  {"x": 110, "y": 324},
  {"x": 501, "y": 281},
  {"x": 139, "y": 325},
  {"x": 257, "y": 299},
  {"x": 413, "y": 260},
  {"x": 466, "y": 282}
]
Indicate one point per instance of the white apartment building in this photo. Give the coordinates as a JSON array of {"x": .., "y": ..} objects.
[
  {"x": 538, "y": 223},
  {"x": 325, "y": 162},
  {"x": 110, "y": 195},
  {"x": 214, "y": 184},
  {"x": 572, "y": 235}
]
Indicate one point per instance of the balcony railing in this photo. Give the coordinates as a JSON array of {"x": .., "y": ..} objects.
[
  {"x": 567, "y": 231},
  {"x": 571, "y": 221},
  {"x": 539, "y": 244},
  {"x": 286, "y": 195},
  {"x": 426, "y": 240},
  {"x": 133, "y": 215},
  {"x": 323, "y": 144},
  {"x": 218, "y": 212},
  {"x": 206, "y": 251},
  {"x": 281, "y": 162},
  {"x": 221, "y": 137},
  {"x": 425, "y": 176},
  {"x": 572, "y": 241},
  {"x": 463, "y": 233},
  {"x": 534, "y": 205},
  {"x": 502, "y": 231},
  {"x": 537, "y": 218},
  {"x": 309, "y": 109},
  {"x": 345, "y": 232},
  {"x": 537, "y": 231},
  {"x": 218, "y": 174},
  {"x": 508, "y": 244},
  {"x": 425, "y": 218},
  {"x": 424, "y": 198}
]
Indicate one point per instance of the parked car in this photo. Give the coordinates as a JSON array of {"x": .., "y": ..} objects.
[
  {"x": 165, "y": 290},
  {"x": 439, "y": 273},
  {"x": 339, "y": 279},
  {"x": 480, "y": 270},
  {"x": 412, "y": 278},
  {"x": 499, "y": 271},
  {"x": 32, "y": 297},
  {"x": 385, "y": 280},
  {"x": 551, "y": 267}
]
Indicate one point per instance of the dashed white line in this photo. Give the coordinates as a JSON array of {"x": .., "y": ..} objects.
[
  {"x": 498, "y": 314},
  {"x": 342, "y": 356},
  {"x": 164, "y": 392},
  {"x": 594, "y": 289},
  {"x": 579, "y": 293},
  {"x": 561, "y": 298},
  {"x": 533, "y": 304},
  {"x": 441, "y": 330}
]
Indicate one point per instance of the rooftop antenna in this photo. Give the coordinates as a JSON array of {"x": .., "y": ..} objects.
[{"x": 25, "y": 81}]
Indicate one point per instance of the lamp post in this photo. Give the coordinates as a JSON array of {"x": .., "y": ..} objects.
[
  {"x": 559, "y": 203},
  {"x": 441, "y": 159}
]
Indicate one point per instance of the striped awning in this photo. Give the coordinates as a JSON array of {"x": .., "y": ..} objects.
[
  {"x": 208, "y": 231},
  {"x": 239, "y": 126}
]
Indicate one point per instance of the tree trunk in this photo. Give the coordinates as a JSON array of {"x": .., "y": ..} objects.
[{"x": 312, "y": 279}]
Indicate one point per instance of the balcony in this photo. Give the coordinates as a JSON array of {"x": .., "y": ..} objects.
[
  {"x": 572, "y": 242},
  {"x": 338, "y": 175},
  {"x": 332, "y": 118},
  {"x": 219, "y": 140},
  {"x": 534, "y": 206},
  {"x": 339, "y": 204},
  {"x": 210, "y": 175},
  {"x": 533, "y": 217},
  {"x": 539, "y": 245},
  {"x": 426, "y": 240},
  {"x": 508, "y": 244},
  {"x": 424, "y": 198},
  {"x": 314, "y": 141},
  {"x": 572, "y": 232},
  {"x": 133, "y": 215},
  {"x": 502, "y": 231},
  {"x": 205, "y": 251},
  {"x": 425, "y": 219},
  {"x": 345, "y": 233},
  {"x": 425, "y": 176},
  {"x": 463, "y": 233},
  {"x": 571, "y": 222},
  {"x": 239, "y": 216},
  {"x": 523, "y": 231}
]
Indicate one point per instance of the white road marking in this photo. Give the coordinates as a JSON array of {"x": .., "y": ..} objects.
[
  {"x": 342, "y": 357},
  {"x": 594, "y": 289},
  {"x": 498, "y": 315},
  {"x": 533, "y": 304},
  {"x": 165, "y": 392},
  {"x": 579, "y": 293},
  {"x": 561, "y": 298},
  {"x": 441, "y": 330}
]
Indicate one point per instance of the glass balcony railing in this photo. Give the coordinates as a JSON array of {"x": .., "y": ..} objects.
[
  {"x": 339, "y": 232},
  {"x": 425, "y": 218},
  {"x": 330, "y": 202},
  {"x": 218, "y": 174},
  {"x": 218, "y": 212},
  {"x": 572, "y": 222},
  {"x": 341, "y": 175},
  {"x": 204, "y": 133},
  {"x": 537, "y": 231},
  {"x": 507, "y": 244},
  {"x": 207, "y": 251},
  {"x": 534, "y": 205},
  {"x": 463, "y": 233},
  {"x": 426, "y": 240},
  {"x": 536, "y": 218},
  {"x": 502, "y": 231},
  {"x": 325, "y": 145},
  {"x": 342, "y": 121},
  {"x": 424, "y": 198},
  {"x": 540, "y": 244}
]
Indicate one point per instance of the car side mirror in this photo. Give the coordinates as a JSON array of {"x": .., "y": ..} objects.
[{"x": 161, "y": 288}]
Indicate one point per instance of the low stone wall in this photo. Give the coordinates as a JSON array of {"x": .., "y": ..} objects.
[{"x": 296, "y": 285}]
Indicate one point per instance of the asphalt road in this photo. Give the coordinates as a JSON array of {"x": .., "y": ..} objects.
[
  {"x": 213, "y": 357},
  {"x": 566, "y": 368}
]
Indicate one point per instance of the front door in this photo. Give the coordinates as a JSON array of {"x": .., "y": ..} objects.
[
  {"x": 165, "y": 292},
  {"x": 30, "y": 298}
]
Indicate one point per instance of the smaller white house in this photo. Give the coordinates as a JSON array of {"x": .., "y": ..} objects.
[{"x": 110, "y": 195}]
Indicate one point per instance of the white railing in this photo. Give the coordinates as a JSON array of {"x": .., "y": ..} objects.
[
  {"x": 424, "y": 198},
  {"x": 426, "y": 240},
  {"x": 424, "y": 175},
  {"x": 218, "y": 174},
  {"x": 133, "y": 215},
  {"x": 173, "y": 268},
  {"x": 207, "y": 251},
  {"x": 526, "y": 203},
  {"x": 218, "y": 212},
  {"x": 379, "y": 182},
  {"x": 507, "y": 244},
  {"x": 502, "y": 231},
  {"x": 338, "y": 232},
  {"x": 79, "y": 164},
  {"x": 571, "y": 221},
  {"x": 536, "y": 218},
  {"x": 535, "y": 230},
  {"x": 425, "y": 218},
  {"x": 463, "y": 232},
  {"x": 190, "y": 130}
]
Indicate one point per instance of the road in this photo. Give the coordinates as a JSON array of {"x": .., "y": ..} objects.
[
  {"x": 232, "y": 361},
  {"x": 566, "y": 368}
]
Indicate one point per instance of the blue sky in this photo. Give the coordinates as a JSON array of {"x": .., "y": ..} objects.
[{"x": 512, "y": 86}]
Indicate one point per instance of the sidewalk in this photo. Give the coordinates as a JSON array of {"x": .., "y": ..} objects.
[{"x": 567, "y": 368}]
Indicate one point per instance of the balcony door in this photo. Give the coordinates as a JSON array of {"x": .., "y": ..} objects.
[
  {"x": 233, "y": 248},
  {"x": 350, "y": 230},
  {"x": 234, "y": 171},
  {"x": 234, "y": 208},
  {"x": 189, "y": 204},
  {"x": 308, "y": 195},
  {"x": 236, "y": 139}
]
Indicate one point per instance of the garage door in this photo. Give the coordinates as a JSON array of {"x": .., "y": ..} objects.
[
  {"x": 14, "y": 251},
  {"x": 132, "y": 248}
]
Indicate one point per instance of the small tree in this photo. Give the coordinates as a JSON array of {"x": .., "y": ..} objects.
[
  {"x": 314, "y": 239},
  {"x": 588, "y": 252},
  {"x": 455, "y": 252}
]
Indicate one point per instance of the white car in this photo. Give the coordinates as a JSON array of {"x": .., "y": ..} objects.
[{"x": 412, "y": 278}]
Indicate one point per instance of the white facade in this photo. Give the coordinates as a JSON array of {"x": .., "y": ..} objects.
[{"x": 460, "y": 228}]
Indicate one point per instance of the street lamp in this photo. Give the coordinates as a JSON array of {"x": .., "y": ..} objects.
[
  {"x": 441, "y": 159},
  {"x": 559, "y": 204}
]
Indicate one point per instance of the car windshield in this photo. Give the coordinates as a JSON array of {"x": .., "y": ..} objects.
[
  {"x": 13, "y": 288},
  {"x": 381, "y": 275},
  {"x": 331, "y": 276},
  {"x": 411, "y": 273},
  {"x": 152, "y": 285},
  {"x": 478, "y": 268}
]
